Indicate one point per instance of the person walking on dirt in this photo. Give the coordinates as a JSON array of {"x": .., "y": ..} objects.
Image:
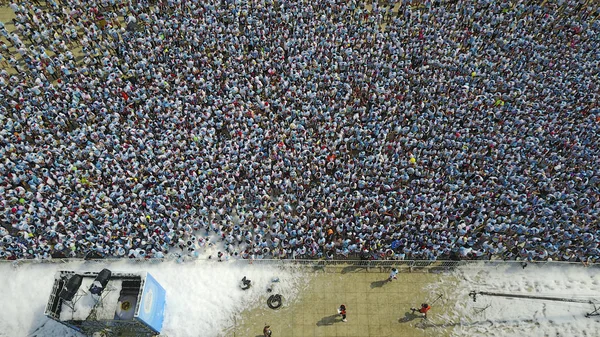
[
  {"x": 423, "y": 310},
  {"x": 267, "y": 331},
  {"x": 342, "y": 311},
  {"x": 393, "y": 275}
]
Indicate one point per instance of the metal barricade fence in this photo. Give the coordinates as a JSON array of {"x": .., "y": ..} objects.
[{"x": 426, "y": 266}]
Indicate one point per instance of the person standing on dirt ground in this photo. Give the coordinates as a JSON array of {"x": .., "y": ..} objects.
[
  {"x": 342, "y": 311},
  {"x": 267, "y": 331},
  {"x": 423, "y": 310},
  {"x": 393, "y": 275}
]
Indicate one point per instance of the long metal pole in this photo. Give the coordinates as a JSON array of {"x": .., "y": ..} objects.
[
  {"x": 439, "y": 296},
  {"x": 561, "y": 299}
]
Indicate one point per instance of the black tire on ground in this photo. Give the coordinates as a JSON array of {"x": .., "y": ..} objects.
[{"x": 274, "y": 301}]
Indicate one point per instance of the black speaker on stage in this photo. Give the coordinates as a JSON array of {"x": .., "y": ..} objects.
[
  {"x": 100, "y": 282},
  {"x": 71, "y": 287}
]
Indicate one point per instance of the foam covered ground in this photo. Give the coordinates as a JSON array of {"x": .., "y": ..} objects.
[
  {"x": 498, "y": 316},
  {"x": 203, "y": 297}
]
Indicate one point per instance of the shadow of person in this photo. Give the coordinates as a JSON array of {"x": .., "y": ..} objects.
[
  {"x": 319, "y": 267},
  {"x": 408, "y": 316},
  {"x": 329, "y": 320},
  {"x": 378, "y": 284}
]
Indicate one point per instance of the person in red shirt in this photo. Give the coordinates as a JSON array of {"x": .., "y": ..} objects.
[
  {"x": 342, "y": 311},
  {"x": 423, "y": 310}
]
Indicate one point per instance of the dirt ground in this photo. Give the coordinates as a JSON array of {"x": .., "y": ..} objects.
[
  {"x": 6, "y": 16},
  {"x": 375, "y": 308}
]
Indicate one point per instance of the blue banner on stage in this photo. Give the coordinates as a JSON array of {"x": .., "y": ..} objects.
[{"x": 152, "y": 306}]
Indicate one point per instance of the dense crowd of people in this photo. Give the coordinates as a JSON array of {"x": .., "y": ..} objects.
[{"x": 300, "y": 129}]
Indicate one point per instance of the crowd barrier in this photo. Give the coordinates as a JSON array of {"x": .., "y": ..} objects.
[
  {"x": 426, "y": 266},
  {"x": 419, "y": 265}
]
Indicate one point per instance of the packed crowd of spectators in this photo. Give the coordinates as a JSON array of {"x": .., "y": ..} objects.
[{"x": 300, "y": 129}]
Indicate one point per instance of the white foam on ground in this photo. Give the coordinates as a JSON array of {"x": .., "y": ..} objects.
[
  {"x": 499, "y": 316},
  {"x": 203, "y": 297}
]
